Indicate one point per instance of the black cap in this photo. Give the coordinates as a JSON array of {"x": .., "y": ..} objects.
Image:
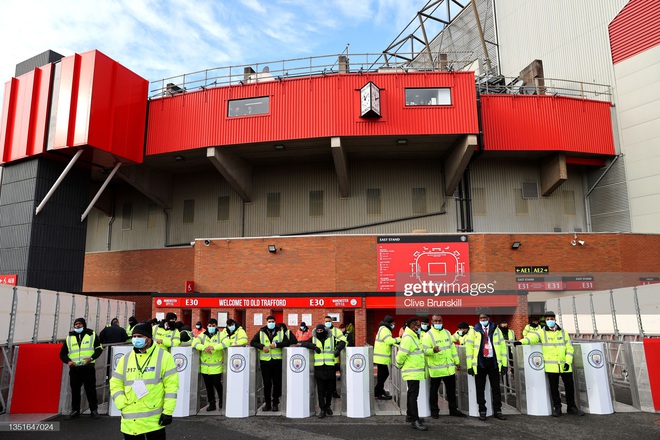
[
  {"x": 463, "y": 324},
  {"x": 170, "y": 316},
  {"x": 389, "y": 319},
  {"x": 302, "y": 324},
  {"x": 549, "y": 313},
  {"x": 82, "y": 321},
  {"x": 143, "y": 329},
  {"x": 320, "y": 327}
]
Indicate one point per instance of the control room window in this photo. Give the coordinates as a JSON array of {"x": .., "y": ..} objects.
[
  {"x": 316, "y": 203},
  {"x": 189, "y": 211},
  {"x": 273, "y": 205},
  {"x": 223, "y": 208},
  {"x": 373, "y": 201},
  {"x": 127, "y": 216},
  {"x": 440, "y": 96},
  {"x": 419, "y": 200},
  {"x": 248, "y": 107}
]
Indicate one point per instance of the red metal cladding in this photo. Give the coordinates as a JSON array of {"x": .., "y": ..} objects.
[
  {"x": 99, "y": 105},
  {"x": 546, "y": 123},
  {"x": 25, "y": 111},
  {"x": 313, "y": 107},
  {"x": 635, "y": 29}
]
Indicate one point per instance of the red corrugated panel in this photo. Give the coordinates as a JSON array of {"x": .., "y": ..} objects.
[
  {"x": 66, "y": 102},
  {"x": 635, "y": 29},
  {"x": 546, "y": 123},
  {"x": 25, "y": 113},
  {"x": 314, "y": 107}
]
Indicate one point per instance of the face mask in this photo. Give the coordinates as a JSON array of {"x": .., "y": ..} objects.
[
  {"x": 198, "y": 327},
  {"x": 79, "y": 330},
  {"x": 534, "y": 325},
  {"x": 437, "y": 326},
  {"x": 270, "y": 325},
  {"x": 418, "y": 331},
  {"x": 504, "y": 328},
  {"x": 318, "y": 334},
  {"x": 460, "y": 332},
  {"x": 425, "y": 327},
  {"x": 484, "y": 323},
  {"x": 232, "y": 328},
  {"x": 303, "y": 329},
  {"x": 211, "y": 330},
  {"x": 139, "y": 342},
  {"x": 392, "y": 326},
  {"x": 328, "y": 325},
  {"x": 550, "y": 323}
]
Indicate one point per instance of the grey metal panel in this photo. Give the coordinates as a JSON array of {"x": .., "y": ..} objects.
[
  {"x": 42, "y": 59},
  {"x": 461, "y": 39},
  {"x": 608, "y": 202},
  {"x": 570, "y": 37},
  {"x": 501, "y": 181}
]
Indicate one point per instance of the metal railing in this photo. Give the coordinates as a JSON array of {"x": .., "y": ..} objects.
[
  {"x": 544, "y": 86},
  {"x": 280, "y": 70}
]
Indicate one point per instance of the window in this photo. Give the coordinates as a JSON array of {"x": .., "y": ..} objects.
[
  {"x": 419, "y": 200},
  {"x": 479, "y": 205},
  {"x": 273, "y": 205},
  {"x": 152, "y": 215},
  {"x": 440, "y": 96},
  {"x": 189, "y": 211},
  {"x": 522, "y": 205},
  {"x": 569, "y": 202},
  {"x": 127, "y": 216},
  {"x": 373, "y": 201},
  {"x": 223, "y": 208},
  {"x": 316, "y": 203},
  {"x": 250, "y": 106}
]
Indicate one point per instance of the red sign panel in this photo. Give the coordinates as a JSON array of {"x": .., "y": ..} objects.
[
  {"x": 8, "y": 279},
  {"x": 252, "y": 302},
  {"x": 411, "y": 259},
  {"x": 190, "y": 286},
  {"x": 533, "y": 284}
]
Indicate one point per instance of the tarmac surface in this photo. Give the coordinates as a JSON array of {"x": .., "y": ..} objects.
[{"x": 638, "y": 426}]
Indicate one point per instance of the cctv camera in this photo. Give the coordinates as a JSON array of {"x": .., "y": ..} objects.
[
  {"x": 207, "y": 242},
  {"x": 581, "y": 242},
  {"x": 573, "y": 242},
  {"x": 192, "y": 243}
]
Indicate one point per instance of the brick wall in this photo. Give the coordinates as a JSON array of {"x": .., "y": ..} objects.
[{"x": 348, "y": 264}]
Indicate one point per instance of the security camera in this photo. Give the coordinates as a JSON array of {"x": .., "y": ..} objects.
[
  {"x": 573, "y": 242},
  {"x": 192, "y": 243},
  {"x": 207, "y": 242},
  {"x": 581, "y": 242}
]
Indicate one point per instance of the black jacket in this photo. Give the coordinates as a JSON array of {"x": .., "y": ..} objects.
[
  {"x": 289, "y": 338},
  {"x": 113, "y": 334}
]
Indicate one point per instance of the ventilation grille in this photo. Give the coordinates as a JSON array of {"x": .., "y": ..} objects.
[{"x": 530, "y": 190}]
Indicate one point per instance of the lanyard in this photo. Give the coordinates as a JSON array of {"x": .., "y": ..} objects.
[{"x": 146, "y": 362}]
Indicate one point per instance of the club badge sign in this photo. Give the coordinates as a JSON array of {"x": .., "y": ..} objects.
[
  {"x": 358, "y": 363},
  {"x": 535, "y": 360},
  {"x": 297, "y": 363},
  {"x": 181, "y": 362},
  {"x": 237, "y": 363}
]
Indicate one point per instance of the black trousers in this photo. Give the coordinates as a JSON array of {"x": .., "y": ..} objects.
[
  {"x": 450, "y": 386},
  {"x": 79, "y": 376},
  {"x": 158, "y": 434},
  {"x": 382, "y": 375},
  {"x": 213, "y": 382},
  {"x": 324, "y": 389},
  {"x": 491, "y": 373},
  {"x": 413, "y": 393},
  {"x": 271, "y": 372},
  {"x": 569, "y": 387}
]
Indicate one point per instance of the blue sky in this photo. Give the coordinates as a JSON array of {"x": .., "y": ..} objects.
[{"x": 159, "y": 38}]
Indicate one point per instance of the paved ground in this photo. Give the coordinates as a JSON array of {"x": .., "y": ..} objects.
[{"x": 637, "y": 426}]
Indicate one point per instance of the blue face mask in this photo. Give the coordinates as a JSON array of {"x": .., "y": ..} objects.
[
  {"x": 232, "y": 328},
  {"x": 392, "y": 325},
  {"x": 484, "y": 323},
  {"x": 425, "y": 327},
  {"x": 418, "y": 331},
  {"x": 460, "y": 333},
  {"x": 328, "y": 325},
  {"x": 139, "y": 342},
  {"x": 79, "y": 330},
  {"x": 270, "y": 325},
  {"x": 211, "y": 330},
  {"x": 437, "y": 326},
  {"x": 550, "y": 323}
]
